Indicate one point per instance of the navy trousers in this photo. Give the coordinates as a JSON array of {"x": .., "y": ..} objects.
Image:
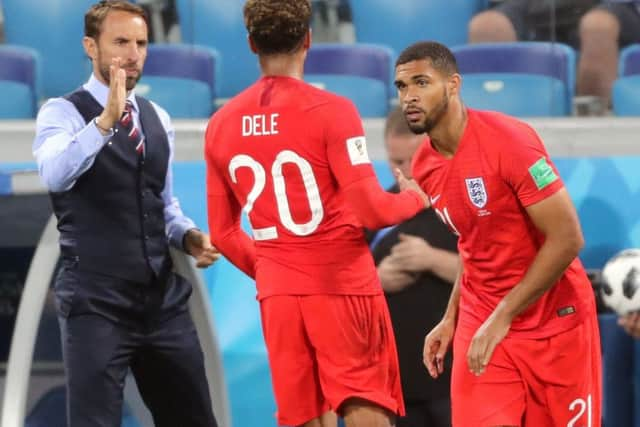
[{"x": 109, "y": 326}]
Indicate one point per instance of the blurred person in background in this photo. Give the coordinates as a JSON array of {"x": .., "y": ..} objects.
[
  {"x": 105, "y": 156},
  {"x": 597, "y": 29},
  {"x": 417, "y": 264},
  {"x": 332, "y": 22}
]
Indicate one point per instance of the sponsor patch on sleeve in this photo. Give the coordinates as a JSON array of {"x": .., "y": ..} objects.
[
  {"x": 357, "y": 149},
  {"x": 542, "y": 173}
]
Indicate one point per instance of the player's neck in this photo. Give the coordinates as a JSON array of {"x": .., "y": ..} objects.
[
  {"x": 446, "y": 137},
  {"x": 282, "y": 65}
]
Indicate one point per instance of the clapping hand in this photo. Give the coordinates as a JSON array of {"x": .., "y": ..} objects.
[{"x": 117, "y": 96}]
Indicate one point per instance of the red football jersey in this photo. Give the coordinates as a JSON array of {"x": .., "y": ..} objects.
[
  {"x": 284, "y": 149},
  {"x": 499, "y": 168}
]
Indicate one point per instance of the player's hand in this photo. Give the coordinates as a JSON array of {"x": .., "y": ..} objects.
[
  {"x": 412, "y": 253},
  {"x": 117, "y": 96},
  {"x": 405, "y": 183},
  {"x": 199, "y": 246},
  {"x": 436, "y": 344},
  {"x": 485, "y": 340},
  {"x": 393, "y": 278},
  {"x": 631, "y": 323}
]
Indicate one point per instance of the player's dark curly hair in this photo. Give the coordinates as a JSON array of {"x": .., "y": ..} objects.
[
  {"x": 97, "y": 13},
  {"x": 277, "y": 26},
  {"x": 441, "y": 57}
]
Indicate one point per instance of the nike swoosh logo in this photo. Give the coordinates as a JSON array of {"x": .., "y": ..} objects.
[{"x": 435, "y": 199}]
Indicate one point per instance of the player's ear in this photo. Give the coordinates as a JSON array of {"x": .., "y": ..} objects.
[
  {"x": 454, "y": 82},
  {"x": 306, "y": 44},
  {"x": 252, "y": 45}
]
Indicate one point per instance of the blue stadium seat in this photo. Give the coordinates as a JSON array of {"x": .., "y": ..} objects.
[
  {"x": 401, "y": 23},
  {"x": 19, "y": 82},
  {"x": 516, "y": 94},
  {"x": 220, "y": 24},
  {"x": 629, "y": 62},
  {"x": 54, "y": 28},
  {"x": 546, "y": 70},
  {"x": 181, "y": 78},
  {"x": 626, "y": 89},
  {"x": 361, "y": 72},
  {"x": 182, "y": 98}
]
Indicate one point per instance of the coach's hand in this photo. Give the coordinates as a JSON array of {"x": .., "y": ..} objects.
[
  {"x": 198, "y": 245},
  {"x": 485, "y": 340},
  {"x": 116, "y": 98},
  {"x": 436, "y": 344}
]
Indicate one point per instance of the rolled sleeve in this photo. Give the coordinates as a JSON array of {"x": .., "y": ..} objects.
[
  {"x": 64, "y": 146},
  {"x": 177, "y": 223}
]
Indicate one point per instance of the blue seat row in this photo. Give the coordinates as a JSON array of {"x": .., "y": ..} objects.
[
  {"x": 536, "y": 79},
  {"x": 523, "y": 79}
]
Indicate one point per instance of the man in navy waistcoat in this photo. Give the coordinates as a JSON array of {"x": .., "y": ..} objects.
[{"x": 105, "y": 156}]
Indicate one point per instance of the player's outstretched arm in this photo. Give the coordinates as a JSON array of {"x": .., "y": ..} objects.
[
  {"x": 377, "y": 208},
  {"x": 349, "y": 162}
]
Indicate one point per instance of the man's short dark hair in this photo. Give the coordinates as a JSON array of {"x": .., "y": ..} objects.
[
  {"x": 277, "y": 26},
  {"x": 396, "y": 124},
  {"x": 441, "y": 57},
  {"x": 97, "y": 13}
]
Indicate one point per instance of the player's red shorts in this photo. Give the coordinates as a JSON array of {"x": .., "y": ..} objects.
[
  {"x": 548, "y": 382},
  {"x": 324, "y": 349}
]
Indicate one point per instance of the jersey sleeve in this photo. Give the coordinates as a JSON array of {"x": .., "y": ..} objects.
[
  {"x": 216, "y": 183},
  {"x": 223, "y": 213},
  {"x": 527, "y": 167},
  {"x": 346, "y": 144},
  {"x": 377, "y": 208},
  {"x": 350, "y": 164}
]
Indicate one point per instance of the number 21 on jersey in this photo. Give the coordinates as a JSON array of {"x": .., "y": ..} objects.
[
  {"x": 279, "y": 188},
  {"x": 579, "y": 407}
]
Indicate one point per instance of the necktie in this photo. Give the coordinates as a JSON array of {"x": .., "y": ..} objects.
[{"x": 133, "y": 133}]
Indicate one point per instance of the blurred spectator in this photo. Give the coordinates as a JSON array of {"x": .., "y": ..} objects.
[
  {"x": 597, "y": 29},
  {"x": 417, "y": 265},
  {"x": 332, "y": 21},
  {"x": 163, "y": 20}
]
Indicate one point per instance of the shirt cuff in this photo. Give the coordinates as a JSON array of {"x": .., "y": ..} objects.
[
  {"x": 89, "y": 141},
  {"x": 177, "y": 230}
]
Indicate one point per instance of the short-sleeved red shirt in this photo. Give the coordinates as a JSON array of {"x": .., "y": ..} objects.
[
  {"x": 284, "y": 149},
  {"x": 500, "y": 168}
]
